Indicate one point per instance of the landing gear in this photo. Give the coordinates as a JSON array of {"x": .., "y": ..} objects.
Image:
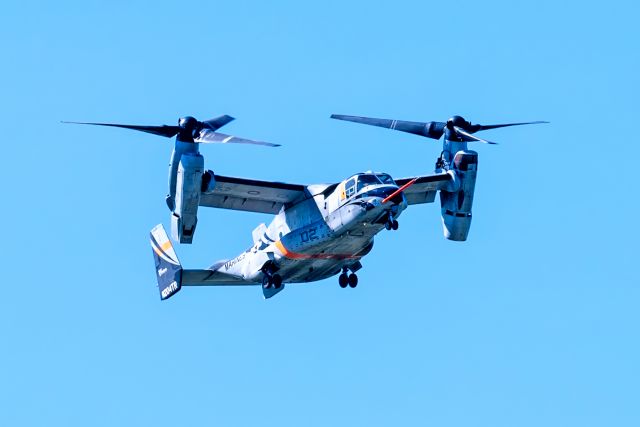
[
  {"x": 345, "y": 279},
  {"x": 391, "y": 223},
  {"x": 270, "y": 278},
  {"x": 274, "y": 281},
  {"x": 277, "y": 281},
  {"x": 353, "y": 280}
]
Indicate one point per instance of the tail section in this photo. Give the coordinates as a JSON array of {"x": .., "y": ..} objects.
[{"x": 168, "y": 268}]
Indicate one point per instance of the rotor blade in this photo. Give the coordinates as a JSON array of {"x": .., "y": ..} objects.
[
  {"x": 472, "y": 137},
  {"x": 477, "y": 128},
  {"x": 207, "y": 136},
  {"x": 218, "y": 122},
  {"x": 429, "y": 129},
  {"x": 164, "y": 130}
]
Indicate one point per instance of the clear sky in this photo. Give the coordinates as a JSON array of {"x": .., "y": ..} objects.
[{"x": 533, "y": 321}]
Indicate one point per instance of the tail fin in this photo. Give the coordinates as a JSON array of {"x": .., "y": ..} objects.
[{"x": 168, "y": 268}]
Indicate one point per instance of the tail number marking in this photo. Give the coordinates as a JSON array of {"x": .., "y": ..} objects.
[{"x": 170, "y": 289}]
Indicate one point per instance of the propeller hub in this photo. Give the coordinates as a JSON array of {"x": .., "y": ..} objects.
[
  {"x": 187, "y": 123},
  {"x": 189, "y": 128},
  {"x": 457, "y": 121}
]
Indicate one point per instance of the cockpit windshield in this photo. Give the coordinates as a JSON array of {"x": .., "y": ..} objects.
[
  {"x": 365, "y": 180},
  {"x": 386, "y": 179}
]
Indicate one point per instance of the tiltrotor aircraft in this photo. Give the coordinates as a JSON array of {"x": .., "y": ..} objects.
[{"x": 319, "y": 230}]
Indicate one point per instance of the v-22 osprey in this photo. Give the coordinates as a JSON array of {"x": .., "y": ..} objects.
[{"x": 319, "y": 230}]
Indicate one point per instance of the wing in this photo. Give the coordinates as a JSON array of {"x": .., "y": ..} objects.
[
  {"x": 251, "y": 195},
  {"x": 214, "y": 277},
  {"x": 425, "y": 188}
]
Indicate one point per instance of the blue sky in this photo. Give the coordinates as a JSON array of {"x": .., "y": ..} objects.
[{"x": 533, "y": 321}]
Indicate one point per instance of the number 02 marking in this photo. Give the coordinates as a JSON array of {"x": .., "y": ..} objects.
[{"x": 307, "y": 236}]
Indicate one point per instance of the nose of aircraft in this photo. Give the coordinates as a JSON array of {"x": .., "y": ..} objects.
[
  {"x": 384, "y": 195},
  {"x": 384, "y": 199}
]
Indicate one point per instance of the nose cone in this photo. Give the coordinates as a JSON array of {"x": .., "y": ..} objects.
[{"x": 389, "y": 198}]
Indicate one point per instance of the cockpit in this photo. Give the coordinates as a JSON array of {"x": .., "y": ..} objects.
[
  {"x": 386, "y": 179},
  {"x": 357, "y": 183}
]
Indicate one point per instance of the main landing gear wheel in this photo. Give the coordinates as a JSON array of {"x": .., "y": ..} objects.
[
  {"x": 270, "y": 279},
  {"x": 277, "y": 281},
  {"x": 343, "y": 280},
  {"x": 274, "y": 281},
  {"x": 353, "y": 280},
  {"x": 391, "y": 224},
  {"x": 266, "y": 282}
]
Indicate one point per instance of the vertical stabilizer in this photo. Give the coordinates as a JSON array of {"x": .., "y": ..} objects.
[{"x": 168, "y": 268}]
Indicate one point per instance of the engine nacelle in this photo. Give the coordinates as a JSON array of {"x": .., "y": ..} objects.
[
  {"x": 188, "y": 186},
  {"x": 456, "y": 206}
]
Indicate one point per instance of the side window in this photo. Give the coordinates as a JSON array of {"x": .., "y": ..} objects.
[{"x": 350, "y": 187}]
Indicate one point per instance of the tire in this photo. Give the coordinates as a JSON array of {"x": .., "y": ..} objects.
[
  {"x": 277, "y": 281},
  {"x": 387, "y": 225},
  {"x": 266, "y": 282},
  {"x": 395, "y": 224},
  {"x": 353, "y": 280},
  {"x": 343, "y": 280}
]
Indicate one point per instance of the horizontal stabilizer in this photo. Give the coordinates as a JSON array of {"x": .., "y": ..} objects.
[{"x": 213, "y": 277}]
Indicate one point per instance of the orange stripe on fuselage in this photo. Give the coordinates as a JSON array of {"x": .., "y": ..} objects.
[{"x": 295, "y": 255}]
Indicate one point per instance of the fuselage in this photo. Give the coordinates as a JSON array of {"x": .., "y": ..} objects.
[{"x": 317, "y": 237}]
